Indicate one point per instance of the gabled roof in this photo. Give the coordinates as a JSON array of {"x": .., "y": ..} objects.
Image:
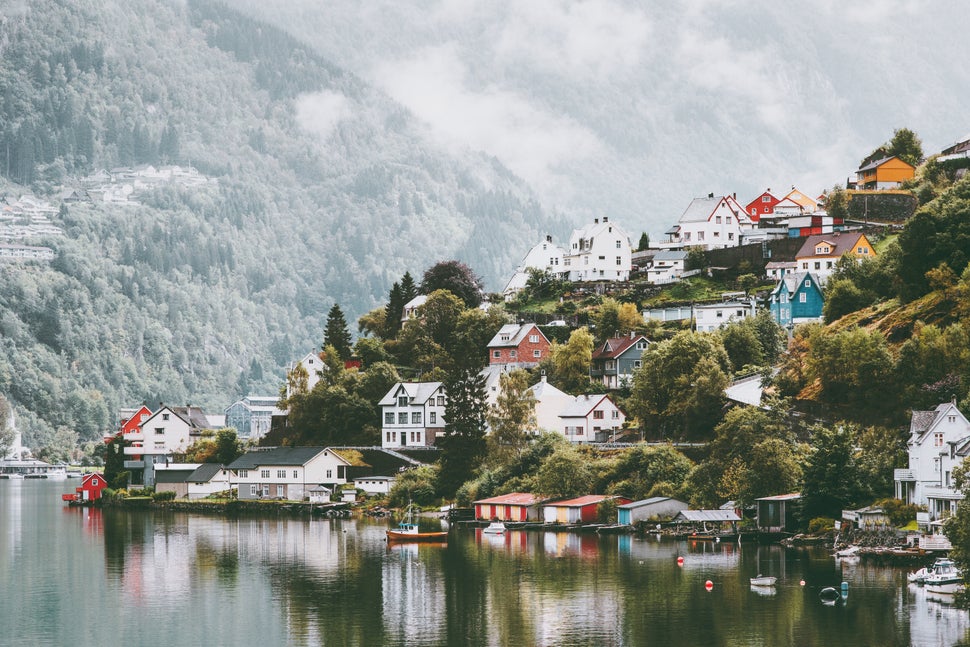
[
  {"x": 707, "y": 515},
  {"x": 876, "y": 164},
  {"x": 582, "y": 405},
  {"x": 174, "y": 474},
  {"x": 90, "y": 475},
  {"x": 841, "y": 242},
  {"x": 670, "y": 255},
  {"x": 616, "y": 346},
  {"x": 277, "y": 456},
  {"x": 651, "y": 501},
  {"x": 515, "y": 498},
  {"x": 792, "y": 283},
  {"x": 923, "y": 421},
  {"x": 204, "y": 473},
  {"x": 545, "y": 389},
  {"x": 800, "y": 199},
  {"x": 511, "y": 335},
  {"x": 417, "y": 392},
  {"x": 194, "y": 417},
  {"x": 582, "y": 501},
  {"x": 781, "y": 497}
]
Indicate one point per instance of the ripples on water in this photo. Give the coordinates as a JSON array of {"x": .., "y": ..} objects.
[{"x": 86, "y": 576}]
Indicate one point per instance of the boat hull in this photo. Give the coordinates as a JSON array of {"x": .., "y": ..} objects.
[
  {"x": 948, "y": 587},
  {"x": 763, "y": 581},
  {"x": 394, "y": 535}
]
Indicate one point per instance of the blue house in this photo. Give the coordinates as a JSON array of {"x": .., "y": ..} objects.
[
  {"x": 796, "y": 299},
  {"x": 615, "y": 360}
]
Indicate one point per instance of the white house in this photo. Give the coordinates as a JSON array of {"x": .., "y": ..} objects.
[
  {"x": 939, "y": 440},
  {"x": 374, "y": 485},
  {"x": 545, "y": 256},
  {"x": 410, "y": 310},
  {"x": 710, "y": 223},
  {"x": 598, "y": 252},
  {"x": 591, "y": 418},
  {"x": 709, "y": 317},
  {"x": 286, "y": 472},
  {"x": 776, "y": 270},
  {"x": 550, "y": 402},
  {"x": 312, "y": 364},
  {"x": 668, "y": 266},
  {"x": 413, "y": 414},
  {"x": 207, "y": 479},
  {"x": 164, "y": 434}
]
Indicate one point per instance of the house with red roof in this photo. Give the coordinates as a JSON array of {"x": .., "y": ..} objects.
[
  {"x": 761, "y": 206},
  {"x": 517, "y": 506},
  {"x": 584, "y": 509},
  {"x": 614, "y": 361}
]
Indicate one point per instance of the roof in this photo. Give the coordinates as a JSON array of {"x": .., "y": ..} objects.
[
  {"x": 204, "y": 473},
  {"x": 670, "y": 255},
  {"x": 511, "y": 335},
  {"x": 174, "y": 474},
  {"x": 701, "y": 209},
  {"x": 542, "y": 388},
  {"x": 90, "y": 475},
  {"x": 876, "y": 164},
  {"x": 276, "y": 456},
  {"x": 708, "y": 515},
  {"x": 780, "y": 265},
  {"x": 800, "y": 199},
  {"x": 781, "y": 497},
  {"x": 651, "y": 501},
  {"x": 515, "y": 498},
  {"x": 582, "y": 501},
  {"x": 582, "y": 405},
  {"x": 418, "y": 392},
  {"x": 616, "y": 346},
  {"x": 842, "y": 243}
]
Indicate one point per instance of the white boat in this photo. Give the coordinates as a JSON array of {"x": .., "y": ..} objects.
[
  {"x": 494, "y": 528},
  {"x": 763, "y": 580},
  {"x": 946, "y": 578},
  {"x": 847, "y": 552},
  {"x": 919, "y": 577}
]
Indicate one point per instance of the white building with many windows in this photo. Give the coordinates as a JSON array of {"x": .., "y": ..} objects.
[
  {"x": 413, "y": 414},
  {"x": 286, "y": 472},
  {"x": 710, "y": 223},
  {"x": 598, "y": 252},
  {"x": 939, "y": 440},
  {"x": 545, "y": 256}
]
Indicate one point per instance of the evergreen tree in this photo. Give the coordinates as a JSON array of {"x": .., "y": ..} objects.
[
  {"x": 409, "y": 289},
  {"x": 644, "y": 242},
  {"x": 463, "y": 444},
  {"x": 336, "y": 333},
  {"x": 393, "y": 311}
]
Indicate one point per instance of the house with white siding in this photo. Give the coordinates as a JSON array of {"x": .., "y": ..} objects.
[
  {"x": 286, "y": 472},
  {"x": 413, "y": 414}
]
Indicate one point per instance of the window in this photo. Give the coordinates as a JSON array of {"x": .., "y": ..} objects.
[
  {"x": 803, "y": 298},
  {"x": 767, "y": 209},
  {"x": 265, "y": 490},
  {"x": 700, "y": 235},
  {"x": 566, "y": 262},
  {"x": 432, "y": 417},
  {"x": 719, "y": 313},
  {"x": 160, "y": 444},
  {"x": 537, "y": 353},
  {"x": 281, "y": 474},
  {"x": 415, "y": 417},
  {"x": 641, "y": 345},
  {"x": 296, "y": 474},
  {"x": 805, "y": 265},
  {"x": 597, "y": 415},
  {"x": 818, "y": 265},
  {"x": 754, "y": 211},
  {"x": 159, "y": 430},
  {"x": 496, "y": 354},
  {"x": 264, "y": 474},
  {"x": 389, "y": 418},
  {"x": 533, "y": 339},
  {"x": 602, "y": 258},
  {"x": 513, "y": 353},
  {"x": 441, "y": 400},
  {"x": 619, "y": 260},
  {"x": 618, "y": 246},
  {"x": 766, "y": 198},
  {"x": 784, "y": 298},
  {"x": 717, "y": 234},
  {"x": 402, "y": 418},
  {"x": 388, "y": 437},
  {"x": 828, "y": 265},
  {"x": 254, "y": 490},
  {"x": 951, "y": 419},
  {"x": 244, "y": 474},
  {"x": 329, "y": 474},
  {"x": 637, "y": 363},
  {"x": 938, "y": 439},
  {"x": 164, "y": 416},
  {"x": 402, "y": 400},
  {"x": 717, "y": 220},
  {"x": 281, "y": 491},
  {"x": 808, "y": 283},
  {"x": 616, "y": 415},
  {"x": 687, "y": 235}
]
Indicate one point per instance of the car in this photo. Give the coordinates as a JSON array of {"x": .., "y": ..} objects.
[{"x": 557, "y": 322}]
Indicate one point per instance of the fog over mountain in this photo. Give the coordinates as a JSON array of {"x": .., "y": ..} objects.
[{"x": 631, "y": 109}]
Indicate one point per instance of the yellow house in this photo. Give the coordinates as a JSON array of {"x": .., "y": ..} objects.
[
  {"x": 806, "y": 203},
  {"x": 887, "y": 173},
  {"x": 820, "y": 253}
]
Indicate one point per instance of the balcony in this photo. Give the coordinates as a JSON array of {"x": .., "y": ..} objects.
[{"x": 134, "y": 465}]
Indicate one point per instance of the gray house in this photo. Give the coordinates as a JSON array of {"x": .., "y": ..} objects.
[
  {"x": 658, "y": 507},
  {"x": 614, "y": 361}
]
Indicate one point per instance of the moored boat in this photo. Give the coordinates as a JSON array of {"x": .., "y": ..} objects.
[
  {"x": 408, "y": 530},
  {"x": 946, "y": 578},
  {"x": 763, "y": 580},
  {"x": 919, "y": 577},
  {"x": 494, "y": 528}
]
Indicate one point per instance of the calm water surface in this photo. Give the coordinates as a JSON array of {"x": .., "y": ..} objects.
[{"x": 91, "y": 577}]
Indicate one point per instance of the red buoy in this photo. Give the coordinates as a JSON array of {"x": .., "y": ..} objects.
[
  {"x": 680, "y": 561},
  {"x": 708, "y": 585}
]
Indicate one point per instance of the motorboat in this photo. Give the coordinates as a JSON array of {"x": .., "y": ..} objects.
[
  {"x": 763, "y": 580},
  {"x": 407, "y": 530},
  {"x": 919, "y": 577},
  {"x": 946, "y": 578},
  {"x": 494, "y": 528}
]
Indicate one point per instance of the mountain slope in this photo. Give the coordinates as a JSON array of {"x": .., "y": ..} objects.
[{"x": 200, "y": 294}]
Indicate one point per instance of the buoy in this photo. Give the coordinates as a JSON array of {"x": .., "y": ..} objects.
[
  {"x": 708, "y": 585},
  {"x": 680, "y": 561},
  {"x": 801, "y": 582}
]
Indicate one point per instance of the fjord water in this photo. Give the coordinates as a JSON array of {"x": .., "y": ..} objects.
[{"x": 76, "y": 576}]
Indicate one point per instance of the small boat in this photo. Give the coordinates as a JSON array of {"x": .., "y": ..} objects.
[
  {"x": 847, "y": 552},
  {"x": 763, "y": 580},
  {"x": 946, "y": 578},
  {"x": 407, "y": 530},
  {"x": 919, "y": 577},
  {"x": 830, "y": 596},
  {"x": 494, "y": 528},
  {"x": 15, "y": 475}
]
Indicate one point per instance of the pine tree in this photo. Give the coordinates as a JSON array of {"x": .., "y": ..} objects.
[
  {"x": 336, "y": 333},
  {"x": 393, "y": 311},
  {"x": 463, "y": 444},
  {"x": 408, "y": 288}
]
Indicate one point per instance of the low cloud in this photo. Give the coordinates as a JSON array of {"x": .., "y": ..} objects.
[{"x": 320, "y": 112}]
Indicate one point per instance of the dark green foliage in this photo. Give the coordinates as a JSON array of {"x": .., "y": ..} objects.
[
  {"x": 228, "y": 447},
  {"x": 336, "y": 333},
  {"x": 168, "y": 495},
  {"x": 456, "y": 277},
  {"x": 463, "y": 444},
  {"x": 644, "y": 242},
  {"x": 641, "y": 469},
  {"x": 832, "y": 480}
]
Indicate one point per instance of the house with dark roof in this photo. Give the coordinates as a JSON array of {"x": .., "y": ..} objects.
[
  {"x": 819, "y": 254},
  {"x": 885, "y": 173},
  {"x": 207, "y": 479},
  {"x": 939, "y": 441},
  {"x": 286, "y": 472},
  {"x": 162, "y": 436},
  {"x": 413, "y": 414},
  {"x": 796, "y": 299},
  {"x": 710, "y": 223},
  {"x": 591, "y": 418},
  {"x": 614, "y": 361},
  {"x": 172, "y": 478}
]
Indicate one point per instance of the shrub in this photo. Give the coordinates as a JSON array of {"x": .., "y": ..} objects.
[
  {"x": 164, "y": 496},
  {"x": 148, "y": 491},
  {"x": 820, "y": 525}
]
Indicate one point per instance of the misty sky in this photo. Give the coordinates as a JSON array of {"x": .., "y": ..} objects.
[{"x": 631, "y": 109}]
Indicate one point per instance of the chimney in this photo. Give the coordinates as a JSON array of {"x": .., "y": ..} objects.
[
  {"x": 548, "y": 239},
  {"x": 710, "y": 195},
  {"x": 596, "y": 221},
  {"x": 605, "y": 219}
]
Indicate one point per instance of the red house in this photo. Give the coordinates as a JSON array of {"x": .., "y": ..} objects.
[
  {"x": 91, "y": 486},
  {"x": 521, "y": 345},
  {"x": 763, "y": 205},
  {"x": 518, "y": 506},
  {"x": 582, "y": 510},
  {"x": 132, "y": 424}
]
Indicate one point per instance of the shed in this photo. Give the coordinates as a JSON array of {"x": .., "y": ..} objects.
[
  {"x": 658, "y": 507},
  {"x": 778, "y": 513},
  {"x": 715, "y": 518},
  {"x": 174, "y": 478},
  {"x": 91, "y": 487},
  {"x": 374, "y": 485},
  {"x": 319, "y": 494},
  {"x": 209, "y": 478},
  {"x": 869, "y": 518},
  {"x": 581, "y": 510},
  {"x": 517, "y": 506}
]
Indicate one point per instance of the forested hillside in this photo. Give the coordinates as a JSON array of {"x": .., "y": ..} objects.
[{"x": 321, "y": 190}]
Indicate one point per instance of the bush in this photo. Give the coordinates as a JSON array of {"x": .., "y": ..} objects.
[
  {"x": 820, "y": 525},
  {"x": 899, "y": 513},
  {"x": 164, "y": 496},
  {"x": 148, "y": 491}
]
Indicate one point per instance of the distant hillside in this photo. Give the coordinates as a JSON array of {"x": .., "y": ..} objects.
[{"x": 321, "y": 190}]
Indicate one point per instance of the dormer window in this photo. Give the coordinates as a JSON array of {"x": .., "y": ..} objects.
[
  {"x": 505, "y": 337},
  {"x": 402, "y": 400},
  {"x": 938, "y": 439}
]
